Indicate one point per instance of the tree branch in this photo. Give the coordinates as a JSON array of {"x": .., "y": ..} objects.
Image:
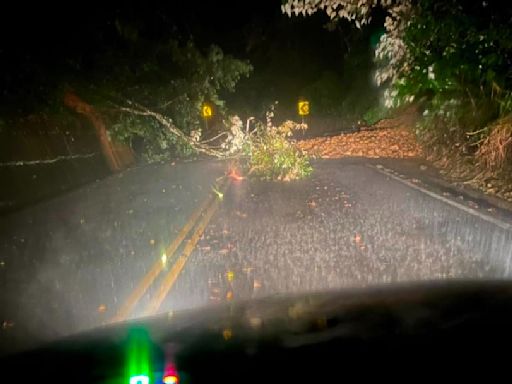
[
  {"x": 214, "y": 138},
  {"x": 166, "y": 122}
]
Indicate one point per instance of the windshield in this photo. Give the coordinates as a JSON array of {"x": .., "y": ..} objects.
[{"x": 158, "y": 158}]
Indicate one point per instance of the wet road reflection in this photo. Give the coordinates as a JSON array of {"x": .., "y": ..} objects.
[{"x": 69, "y": 264}]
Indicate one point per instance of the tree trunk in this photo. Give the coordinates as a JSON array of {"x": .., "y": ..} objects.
[{"x": 71, "y": 100}]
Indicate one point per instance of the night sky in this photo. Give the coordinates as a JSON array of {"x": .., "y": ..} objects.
[{"x": 48, "y": 44}]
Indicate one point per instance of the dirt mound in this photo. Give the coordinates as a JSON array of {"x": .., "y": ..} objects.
[{"x": 388, "y": 142}]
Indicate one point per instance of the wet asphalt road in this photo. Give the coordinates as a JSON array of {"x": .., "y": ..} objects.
[{"x": 69, "y": 264}]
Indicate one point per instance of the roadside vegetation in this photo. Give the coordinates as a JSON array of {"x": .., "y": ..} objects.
[{"x": 452, "y": 61}]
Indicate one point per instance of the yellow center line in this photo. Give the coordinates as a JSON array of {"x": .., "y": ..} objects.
[
  {"x": 159, "y": 265},
  {"x": 176, "y": 269}
]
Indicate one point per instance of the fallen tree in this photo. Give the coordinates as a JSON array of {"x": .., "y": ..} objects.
[{"x": 264, "y": 150}]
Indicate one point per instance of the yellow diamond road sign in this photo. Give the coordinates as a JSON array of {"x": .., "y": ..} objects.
[
  {"x": 206, "y": 111},
  {"x": 303, "y": 107}
]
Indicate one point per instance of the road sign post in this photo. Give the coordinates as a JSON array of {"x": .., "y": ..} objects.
[
  {"x": 303, "y": 109},
  {"x": 207, "y": 113}
]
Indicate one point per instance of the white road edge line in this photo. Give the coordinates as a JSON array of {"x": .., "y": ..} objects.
[{"x": 490, "y": 219}]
